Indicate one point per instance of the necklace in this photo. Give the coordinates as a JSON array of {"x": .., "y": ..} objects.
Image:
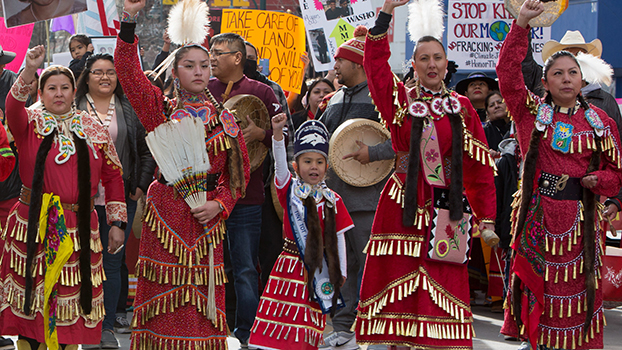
[
  {"x": 435, "y": 106},
  {"x": 66, "y": 124},
  {"x": 32, "y": 12},
  {"x": 95, "y": 114}
]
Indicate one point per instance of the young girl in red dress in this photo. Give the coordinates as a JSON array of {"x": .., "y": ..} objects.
[{"x": 290, "y": 314}]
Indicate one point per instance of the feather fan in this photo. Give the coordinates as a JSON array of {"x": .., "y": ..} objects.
[
  {"x": 425, "y": 17},
  {"x": 187, "y": 22},
  {"x": 594, "y": 69}
]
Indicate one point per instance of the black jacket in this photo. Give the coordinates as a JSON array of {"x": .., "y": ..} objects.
[
  {"x": 138, "y": 164},
  {"x": 506, "y": 184}
]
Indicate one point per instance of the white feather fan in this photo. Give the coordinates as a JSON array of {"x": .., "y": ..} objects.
[
  {"x": 187, "y": 22},
  {"x": 425, "y": 17},
  {"x": 594, "y": 69},
  {"x": 178, "y": 148}
]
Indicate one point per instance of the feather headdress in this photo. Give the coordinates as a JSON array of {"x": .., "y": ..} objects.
[
  {"x": 594, "y": 69},
  {"x": 425, "y": 17},
  {"x": 188, "y": 23}
]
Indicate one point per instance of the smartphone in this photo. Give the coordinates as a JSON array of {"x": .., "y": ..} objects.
[{"x": 264, "y": 63}]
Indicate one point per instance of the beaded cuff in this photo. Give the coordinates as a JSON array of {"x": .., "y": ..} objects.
[{"x": 128, "y": 18}]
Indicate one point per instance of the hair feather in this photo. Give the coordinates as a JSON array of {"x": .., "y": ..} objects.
[
  {"x": 187, "y": 22},
  {"x": 425, "y": 17},
  {"x": 595, "y": 69}
]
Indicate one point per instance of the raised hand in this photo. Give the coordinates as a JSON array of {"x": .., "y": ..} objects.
[
  {"x": 133, "y": 6},
  {"x": 389, "y": 5},
  {"x": 278, "y": 123},
  {"x": 529, "y": 10},
  {"x": 34, "y": 59}
]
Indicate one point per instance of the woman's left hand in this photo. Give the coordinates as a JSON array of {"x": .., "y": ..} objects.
[
  {"x": 116, "y": 237},
  {"x": 589, "y": 181},
  {"x": 486, "y": 225},
  {"x": 206, "y": 212},
  {"x": 136, "y": 196}
]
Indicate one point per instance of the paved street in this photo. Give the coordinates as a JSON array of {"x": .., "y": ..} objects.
[{"x": 487, "y": 327}]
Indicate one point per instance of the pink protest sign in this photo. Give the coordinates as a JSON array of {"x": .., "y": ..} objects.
[{"x": 15, "y": 40}]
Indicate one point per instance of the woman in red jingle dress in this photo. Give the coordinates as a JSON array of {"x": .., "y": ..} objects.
[
  {"x": 171, "y": 303},
  {"x": 572, "y": 152},
  {"x": 419, "y": 302},
  {"x": 64, "y": 177}
]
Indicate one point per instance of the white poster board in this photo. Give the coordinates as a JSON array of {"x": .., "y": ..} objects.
[
  {"x": 476, "y": 30},
  {"x": 329, "y": 27}
]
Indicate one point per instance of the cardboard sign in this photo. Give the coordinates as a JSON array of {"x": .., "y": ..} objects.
[
  {"x": 278, "y": 37},
  {"x": 476, "y": 30},
  {"x": 15, "y": 40},
  {"x": 330, "y": 24}
]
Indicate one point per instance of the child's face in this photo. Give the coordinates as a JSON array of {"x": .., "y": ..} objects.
[
  {"x": 311, "y": 166},
  {"x": 77, "y": 49}
]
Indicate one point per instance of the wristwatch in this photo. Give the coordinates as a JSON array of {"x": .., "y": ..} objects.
[
  {"x": 221, "y": 207},
  {"x": 120, "y": 224}
]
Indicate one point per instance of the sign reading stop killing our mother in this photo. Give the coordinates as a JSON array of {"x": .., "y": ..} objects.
[
  {"x": 476, "y": 30},
  {"x": 279, "y": 37}
]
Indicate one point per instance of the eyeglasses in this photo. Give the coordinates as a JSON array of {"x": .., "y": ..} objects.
[
  {"x": 98, "y": 73},
  {"x": 217, "y": 54}
]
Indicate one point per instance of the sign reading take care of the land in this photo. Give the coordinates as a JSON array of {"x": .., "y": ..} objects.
[{"x": 278, "y": 37}]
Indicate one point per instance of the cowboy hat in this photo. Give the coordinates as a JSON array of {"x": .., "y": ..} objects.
[
  {"x": 463, "y": 84},
  {"x": 572, "y": 38},
  {"x": 6, "y": 56}
]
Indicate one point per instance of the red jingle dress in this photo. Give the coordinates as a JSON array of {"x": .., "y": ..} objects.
[
  {"x": 72, "y": 325},
  {"x": 173, "y": 264},
  {"x": 286, "y": 317},
  {"x": 551, "y": 267},
  {"x": 406, "y": 299}
]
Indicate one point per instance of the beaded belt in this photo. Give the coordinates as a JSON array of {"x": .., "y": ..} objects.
[
  {"x": 401, "y": 162},
  {"x": 561, "y": 187},
  {"x": 290, "y": 246},
  {"x": 24, "y": 198}
]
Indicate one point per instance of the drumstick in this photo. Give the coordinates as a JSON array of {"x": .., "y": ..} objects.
[{"x": 225, "y": 96}]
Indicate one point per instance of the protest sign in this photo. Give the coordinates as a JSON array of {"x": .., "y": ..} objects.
[
  {"x": 476, "y": 30},
  {"x": 19, "y": 12},
  {"x": 100, "y": 19},
  {"x": 15, "y": 40},
  {"x": 278, "y": 37},
  {"x": 329, "y": 25}
]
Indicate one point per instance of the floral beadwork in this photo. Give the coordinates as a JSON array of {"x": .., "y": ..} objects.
[
  {"x": 595, "y": 121},
  {"x": 76, "y": 127},
  {"x": 418, "y": 109},
  {"x": 437, "y": 106},
  {"x": 544, "y": 116},
  {"x": 228, "y": 123},
  {"x": 451, "y": 105},
  {"x": 66, "y": 149}
]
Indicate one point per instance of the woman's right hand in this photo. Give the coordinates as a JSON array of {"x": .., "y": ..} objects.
[
  {"x": 34, "y": 59},
  {"x": 389, "y": 5},
  {"x": 133, "y": 6},
  {"x": 529, "y": 10}
]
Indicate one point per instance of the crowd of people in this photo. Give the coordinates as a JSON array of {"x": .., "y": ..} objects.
[{"x": 277, "y": 251}]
